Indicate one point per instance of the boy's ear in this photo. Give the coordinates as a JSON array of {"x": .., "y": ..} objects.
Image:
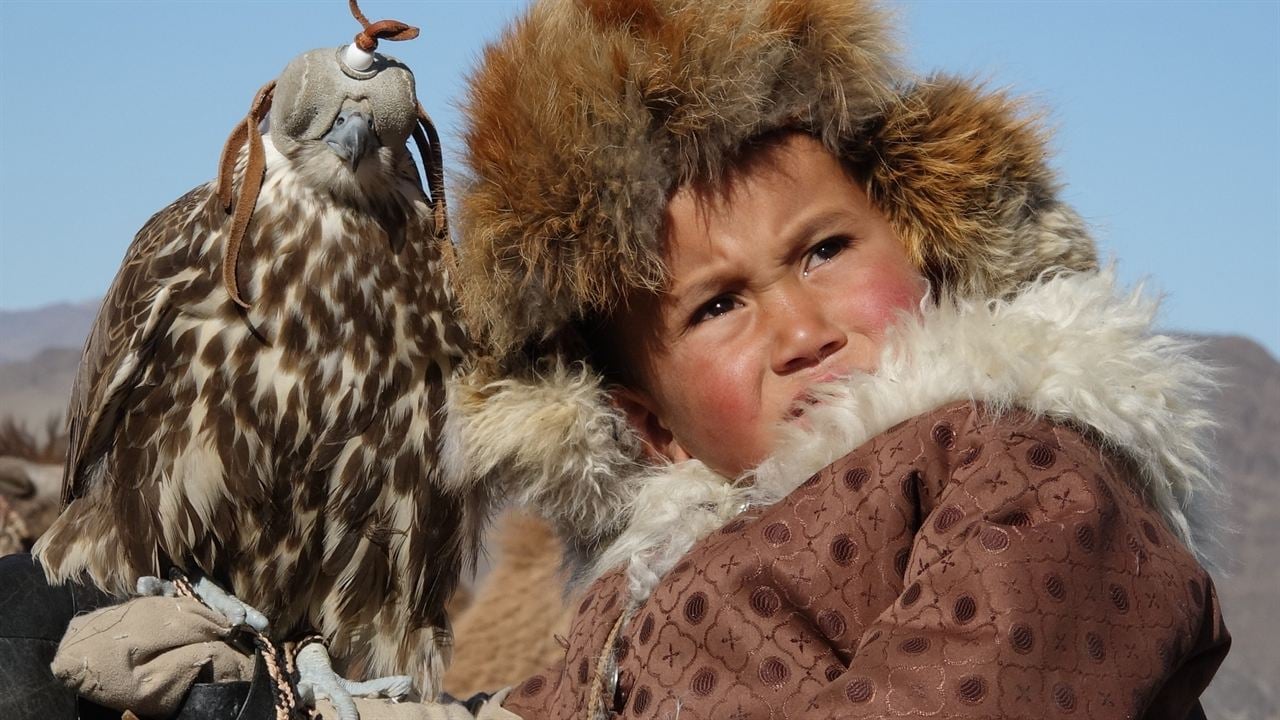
[{"x": 658, "y": 442}]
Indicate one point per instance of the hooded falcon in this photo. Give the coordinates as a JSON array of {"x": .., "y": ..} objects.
[{"x": 259, "y": 401}]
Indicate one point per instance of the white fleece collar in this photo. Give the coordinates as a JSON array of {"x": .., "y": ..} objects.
[{"x": 1074, "y": 348}]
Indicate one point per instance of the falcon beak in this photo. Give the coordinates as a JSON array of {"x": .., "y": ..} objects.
[{"x": 351, "y": 137}]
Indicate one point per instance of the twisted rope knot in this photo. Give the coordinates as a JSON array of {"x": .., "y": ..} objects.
[{"x": 367, "y": 39}]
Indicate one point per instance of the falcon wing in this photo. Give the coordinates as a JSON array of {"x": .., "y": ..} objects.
[{"x": 136, "y": 310}]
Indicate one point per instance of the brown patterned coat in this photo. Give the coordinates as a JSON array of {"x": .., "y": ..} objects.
[{"x": 961, "y": 564}]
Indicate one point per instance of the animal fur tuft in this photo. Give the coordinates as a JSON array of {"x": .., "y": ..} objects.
[
  {"x": 553, "y": 441},
  {"x": 962, "y": 176}
]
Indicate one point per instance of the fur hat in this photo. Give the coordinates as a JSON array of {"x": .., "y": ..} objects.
[{"x": 585, "y": 117}]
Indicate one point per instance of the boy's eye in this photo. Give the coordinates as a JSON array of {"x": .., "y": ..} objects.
[
  {"x": 714, "y": 307},
  {"x": 824, "y": 251}
]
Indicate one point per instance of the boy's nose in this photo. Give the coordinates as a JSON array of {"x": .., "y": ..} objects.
[{"x": 804, "y": 334}]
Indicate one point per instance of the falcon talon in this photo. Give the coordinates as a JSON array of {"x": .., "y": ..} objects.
[
  {"x": 150, "y": 585},
  {"x": 232, "y": 607},
  {"x": 394, "y": 687},
  {"x": 316, "y": 679}
]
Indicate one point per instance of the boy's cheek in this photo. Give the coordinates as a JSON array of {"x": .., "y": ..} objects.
[
  {"x": 722, "y": 413},
  {"x": 727, "y": 405},
  {"x": 885, "y": 297}
]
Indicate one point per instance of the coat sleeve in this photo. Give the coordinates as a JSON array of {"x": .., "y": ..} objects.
[{"x": 1039, "y": 583}]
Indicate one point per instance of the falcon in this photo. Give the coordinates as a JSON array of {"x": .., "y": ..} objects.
[{"x": 259, "y": 401}]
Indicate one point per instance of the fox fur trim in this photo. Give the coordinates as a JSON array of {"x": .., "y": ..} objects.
[
  {"x": 962, "y": 176},
  {"x": 550, "y": 441},
  {"x": 586, "y": 115}
]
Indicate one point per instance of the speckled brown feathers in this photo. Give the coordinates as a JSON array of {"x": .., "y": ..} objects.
[{"x": 289, "y": 449}]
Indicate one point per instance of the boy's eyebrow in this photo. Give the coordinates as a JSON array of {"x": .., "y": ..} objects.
[
  {"x": 709, "y": 283},
  {"x": 796, "y": 239},
  {"x": 792, "y": 249}
]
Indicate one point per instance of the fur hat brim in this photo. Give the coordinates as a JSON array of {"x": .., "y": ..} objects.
[{"x": 586, "y": 115}]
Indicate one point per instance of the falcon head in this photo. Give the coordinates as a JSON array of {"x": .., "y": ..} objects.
[{"x": 343, "y": 118}]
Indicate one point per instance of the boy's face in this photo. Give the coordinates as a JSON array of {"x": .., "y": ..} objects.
[{"x": 786, "y": 279}]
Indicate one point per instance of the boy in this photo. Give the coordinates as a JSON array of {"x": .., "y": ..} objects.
[{"x": 819, "y": 380}]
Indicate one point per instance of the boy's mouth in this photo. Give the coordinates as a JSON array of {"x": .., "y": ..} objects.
[
  {"x": 801, "y": 405},
  {"x": 806, "y": 398},
  {"x": 796, "y": 413}
]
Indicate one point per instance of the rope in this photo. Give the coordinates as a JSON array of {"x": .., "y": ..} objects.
[{"x": 281, "y": 662}]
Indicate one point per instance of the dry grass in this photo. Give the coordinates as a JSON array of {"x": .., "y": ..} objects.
[
  {"x": 16, "y": 440},
  {"x": 28, "y": 489}
]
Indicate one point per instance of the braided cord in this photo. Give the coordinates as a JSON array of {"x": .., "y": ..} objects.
[{"x": 281, "y": 661}]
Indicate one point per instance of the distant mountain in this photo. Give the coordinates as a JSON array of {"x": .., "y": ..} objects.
[
  {"x": 36, "y": 391},
  {"x": 25, "y": 333},
  {"x": 1248, "y": 464}
]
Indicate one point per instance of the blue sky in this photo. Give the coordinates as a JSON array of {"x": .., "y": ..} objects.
[{"x": 1167, "y": 117}]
